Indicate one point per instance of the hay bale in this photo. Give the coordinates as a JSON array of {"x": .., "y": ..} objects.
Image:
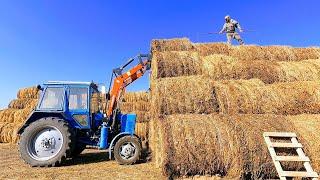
[
  {"x": 30, "y": 92},
  {"x": 175, "y": 63},
  {"x": 246, "y": 52},
  {"x": 254, "y": 52},
  {"x": 2, "y": 126},
  {"x": 23, "y": 103},
  {"x": 134, "y": 106},
  {"x": 178, "y": 44},
  {"x": 142, "y": 116},
  {"x": 7, "y": 115},
  {"x": 8, "y": 132},
  {"x": 15, "y": 115},
  {"x": 280, "y": 98},
  {"x": 205, "y": 49},
  {"x": 270, "y": 53},
  {"x": 232, "y": 146},
  {"x": 136, "y": 96},
  {"x": 142, "y": 130},
  {"x": 156, "y": 142},
  {"x": 235, "y": 62},
  {"x": 221, "y": 67},
  {"x": 308, "y": 126},
  {"x": 306, "y": 70},
  {"x": 21, "y": 115},
  {"x": 185, "y": 94}
]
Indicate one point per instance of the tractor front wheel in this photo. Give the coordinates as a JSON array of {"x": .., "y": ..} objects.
[{"x": 127, "y": 150}]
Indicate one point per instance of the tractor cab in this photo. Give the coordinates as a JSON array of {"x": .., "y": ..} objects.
[{"x": 79, "y": 102}]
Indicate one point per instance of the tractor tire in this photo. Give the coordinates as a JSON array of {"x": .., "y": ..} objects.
[
  {"x": 79, "y": 148},
  {"x": 46, "y": 142},
  {"x": 127, "y": 150}
]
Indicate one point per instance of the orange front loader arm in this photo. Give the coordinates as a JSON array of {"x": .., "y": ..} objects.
[{"x": 123, "y": 80}]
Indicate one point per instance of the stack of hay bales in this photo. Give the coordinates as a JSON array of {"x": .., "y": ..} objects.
[
  {"x": 138, "y": 103},
  {"x": 211, "y": 103},
  {"x": 12, "y": 118}
]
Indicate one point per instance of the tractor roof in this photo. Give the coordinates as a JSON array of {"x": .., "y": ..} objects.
[{"x": 92, "y": 84}]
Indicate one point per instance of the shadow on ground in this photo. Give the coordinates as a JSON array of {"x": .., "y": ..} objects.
[{"x": 95, "y": 156}]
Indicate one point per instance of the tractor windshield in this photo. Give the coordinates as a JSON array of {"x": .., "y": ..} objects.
[{"x": 52, "y": 98}]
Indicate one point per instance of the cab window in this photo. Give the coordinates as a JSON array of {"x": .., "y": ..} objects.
[
  {"x": 78, "y": 98},
  {"x": 53, "y": 98}
]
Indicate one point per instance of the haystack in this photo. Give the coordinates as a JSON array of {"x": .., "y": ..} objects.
[
  {"x": 175, "y": 63},
  {"x": 135, "y": 106},
  {"x": 15, "y": 115},
  {"x": 23, "y": 103},
  {"x": 232, "y": 146},
  {"x": 136, "y": 103},
  {"x": 7, "y": 115},
  {"x": 30, "y": 92},
  {"x": 8, "y": 132},
  {"x": 178, "y": 44},
  {"x": 136, "y": 96},
  {"x": 21, "y": 115},
  {"x": 142, "y": 130}
]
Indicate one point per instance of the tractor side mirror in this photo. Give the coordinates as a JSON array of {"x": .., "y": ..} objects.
[{"x": 39, "y": 87}]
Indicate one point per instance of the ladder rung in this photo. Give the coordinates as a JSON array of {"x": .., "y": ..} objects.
[
  {"x": 279, "y": 134},
  {"x": 286, "y": 145},
  {"x": 292, "y": 158},
  {"x": 298, "y": 174}
]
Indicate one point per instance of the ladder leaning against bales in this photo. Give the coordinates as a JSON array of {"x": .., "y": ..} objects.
[{"x": 309, "y": 173}]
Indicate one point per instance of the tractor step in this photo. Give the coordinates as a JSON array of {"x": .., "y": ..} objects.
[{"x": 309, "y": 173}]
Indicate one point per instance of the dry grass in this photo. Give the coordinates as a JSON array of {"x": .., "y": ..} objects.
[
  {"x": 91, "y": 164},
  {"x": 231, "y": 146}
]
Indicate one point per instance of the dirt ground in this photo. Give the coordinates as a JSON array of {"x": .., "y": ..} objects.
[{"x": 90, "y": 164}]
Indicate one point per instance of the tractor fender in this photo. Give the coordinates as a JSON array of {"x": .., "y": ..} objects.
[
  {"x": 35, "y": 115},
  {"x": 116, "y": 138}
]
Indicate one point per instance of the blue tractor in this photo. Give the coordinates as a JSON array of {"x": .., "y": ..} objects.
[{"x": 68, "y": 118}]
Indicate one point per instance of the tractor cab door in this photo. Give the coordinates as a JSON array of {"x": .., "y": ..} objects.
[{"x": 78, "y": 105}]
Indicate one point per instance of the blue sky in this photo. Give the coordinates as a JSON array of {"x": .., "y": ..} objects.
[{"x": 43, "y": 40}]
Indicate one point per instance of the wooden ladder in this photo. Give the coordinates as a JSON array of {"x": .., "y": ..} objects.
[{"x": 300, "y": 158}]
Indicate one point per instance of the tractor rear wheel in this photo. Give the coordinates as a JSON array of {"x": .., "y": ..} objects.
[
  {"x": 127, "y": 150},
  {"x": 46, "y": 142}
]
